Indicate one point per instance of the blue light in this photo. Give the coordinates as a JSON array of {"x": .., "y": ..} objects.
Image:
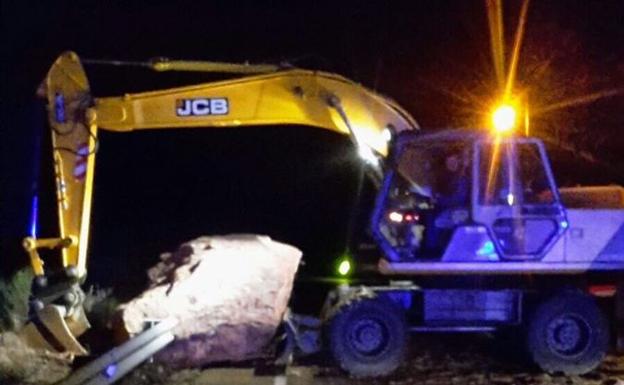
[
  {"x": 564, "y": 224},
  {"x": 487, "y": 248},
  {"x": 59, "y": 108},
  {"x": 110, "y": 370},
  {"x": 34, "y": 210}
]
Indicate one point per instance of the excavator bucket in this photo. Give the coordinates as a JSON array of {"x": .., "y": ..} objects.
[{"x": 53, "y": 330}]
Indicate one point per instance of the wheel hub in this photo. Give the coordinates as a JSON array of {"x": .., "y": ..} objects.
[
  {"x": 368, "y": 336},
  {"x": 568, "y": 335}
]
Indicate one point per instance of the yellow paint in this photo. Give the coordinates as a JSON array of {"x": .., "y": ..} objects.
[{"x": 273, "y": 97}]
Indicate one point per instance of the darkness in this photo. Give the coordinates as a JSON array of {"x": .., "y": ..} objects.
[{"x": 154, "y": 190}]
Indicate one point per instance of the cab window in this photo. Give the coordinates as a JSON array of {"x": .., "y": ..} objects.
[{"x": 513, "y": 174}]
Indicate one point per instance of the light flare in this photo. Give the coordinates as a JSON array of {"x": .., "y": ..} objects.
[
  {"x": 515, "y": 56},
  {"x": 504, "y": 119},
  {"x": 580, "y": 100},
  {"x": 367, "y": 154},
  {"x": 386, "y": 134},
  {"x": 497, "y": 41}
]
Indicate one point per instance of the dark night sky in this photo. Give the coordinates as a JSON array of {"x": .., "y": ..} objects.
[{"x": 154, "y": 190}]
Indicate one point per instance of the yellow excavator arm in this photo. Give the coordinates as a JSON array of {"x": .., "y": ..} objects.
[{"x": 273, "y": 96}]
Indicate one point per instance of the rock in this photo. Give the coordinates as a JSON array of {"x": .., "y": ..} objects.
[
  {"x": 501, "y": 379},
  {"x": 229, "y": 294},
  {"x": 540, "y": 378},
  {"x": 592, "y": 376}
]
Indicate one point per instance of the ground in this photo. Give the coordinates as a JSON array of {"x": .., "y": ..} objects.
[
  {"x": 20, "y": 364},
  {"x": 434, "y": 360}
]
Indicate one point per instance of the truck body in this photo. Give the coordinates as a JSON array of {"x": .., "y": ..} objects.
[{"x": 514, "y": 253}]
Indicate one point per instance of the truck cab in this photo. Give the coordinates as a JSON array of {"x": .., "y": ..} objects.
[{"x": 458, "y": 201}]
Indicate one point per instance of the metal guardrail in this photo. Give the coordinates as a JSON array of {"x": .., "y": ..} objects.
[{"x": 116, "y": 363}]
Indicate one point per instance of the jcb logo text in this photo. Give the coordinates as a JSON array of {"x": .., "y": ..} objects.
[{"x": 202, "y": 107}]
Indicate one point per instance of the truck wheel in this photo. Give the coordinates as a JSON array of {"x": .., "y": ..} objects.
[
  {"x": 568, "y": 333},
  {"x": 367, "y": 338}
]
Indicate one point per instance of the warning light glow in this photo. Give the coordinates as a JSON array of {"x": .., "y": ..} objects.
[
  {"x": 504, "y": 118},
  {"x": 395, "y": 217},
  {"x": 344, "y": 267},
  {"x": 110, "y": 370}
]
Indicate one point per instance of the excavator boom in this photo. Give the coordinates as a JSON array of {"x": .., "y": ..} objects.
[{"x": 273, "y": 97}]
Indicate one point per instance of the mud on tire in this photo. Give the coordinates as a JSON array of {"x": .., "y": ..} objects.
[
  {"x": 368, "y": 337},
  {"x": 568, "y": 333}
]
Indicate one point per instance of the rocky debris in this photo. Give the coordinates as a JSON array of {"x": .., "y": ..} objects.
[
  {"x": 434, "y": 360},
  {"x": 20, "y": 364},
  {"x": 479, "y": 359},
  {"x": 229, "y": 294}
]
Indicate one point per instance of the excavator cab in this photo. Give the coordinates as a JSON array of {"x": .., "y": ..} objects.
[{"x": 457, "y": 196}]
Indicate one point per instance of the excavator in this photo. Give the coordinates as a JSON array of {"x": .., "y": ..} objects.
[
  {"x": 471, "y": 232},
  {"x": 262, "y": 95}
]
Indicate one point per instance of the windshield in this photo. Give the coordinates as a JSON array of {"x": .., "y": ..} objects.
[{"x": 425, "y": 167}]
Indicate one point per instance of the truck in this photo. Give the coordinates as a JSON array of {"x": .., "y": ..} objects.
[{"x": 470, "y": 230}]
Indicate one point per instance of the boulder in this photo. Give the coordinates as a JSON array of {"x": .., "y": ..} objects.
[{"x": 228, "y": 293}]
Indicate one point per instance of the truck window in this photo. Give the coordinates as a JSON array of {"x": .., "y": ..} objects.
[
  {"x": 536, "y": 187},
  {"x": 495, "y": 175},
  {"x": 513, "y": 174}
]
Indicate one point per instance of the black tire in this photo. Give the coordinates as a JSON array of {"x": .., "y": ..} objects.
[
  {"x": 285, "y": 345},
  {"x": 368, "y": 337},
  {"x": 568, "y": 333}
]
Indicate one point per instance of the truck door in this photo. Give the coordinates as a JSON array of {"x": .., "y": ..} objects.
[{"x": 515, "y": 197}]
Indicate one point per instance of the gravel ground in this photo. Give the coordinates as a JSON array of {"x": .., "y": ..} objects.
[
  {"x": 19, "y": 364},
  {"x": 434, "y": 360}
]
